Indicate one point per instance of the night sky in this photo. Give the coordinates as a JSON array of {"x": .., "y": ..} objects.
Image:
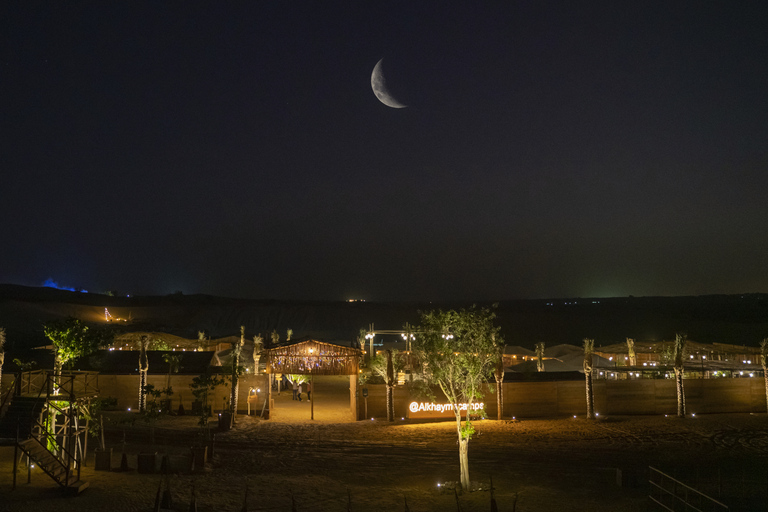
[{"x": 548, "y": 149}]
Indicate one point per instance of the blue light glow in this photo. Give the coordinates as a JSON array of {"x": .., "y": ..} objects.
[{"x": 50, "y": 283}]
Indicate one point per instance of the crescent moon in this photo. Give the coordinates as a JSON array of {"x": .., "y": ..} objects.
[{"x": 379, "y": 86}]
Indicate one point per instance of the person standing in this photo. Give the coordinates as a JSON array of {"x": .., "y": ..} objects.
[
  {"x": 295, "y": 389},
  {"x": 309, "y": 390},
  {"x": 300, "y": 385}
]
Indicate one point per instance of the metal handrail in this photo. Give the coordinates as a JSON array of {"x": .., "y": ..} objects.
[
  {"x": 677, "y": 484},
  {"x": 8, "y": 394},
  {"x": 70, "y": 458},
  {"x": 27, "y": 380}
]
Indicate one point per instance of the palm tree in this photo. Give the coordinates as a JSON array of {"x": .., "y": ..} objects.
[
  {"x": 498, "y": 374},
  {"x": 390, "y": 387},
  {"x": 173, "y": 366},
  {"x": 236, "y": 348},
  {"x": 2, "y": 357},
  {"x": 764, "y": 362},
  {"x": 540, "y": 356},
  {"x": 631, "y": 351},
  {"x": 288, "y": 334},
  {"x": 680, "y": 341},
  {"x": 385, "y": 367},
  {"x": 589, "y": 347},
  {"x": 202, "y": 340},
  {"x": 143, "y": 370},
  {"x": 258, "y": 345}
]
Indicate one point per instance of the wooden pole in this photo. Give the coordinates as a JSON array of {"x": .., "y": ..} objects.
[{"x": 312, "y": 397}]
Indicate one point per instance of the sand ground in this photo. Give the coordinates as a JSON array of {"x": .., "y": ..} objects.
[{"x": 563, "y": 464}]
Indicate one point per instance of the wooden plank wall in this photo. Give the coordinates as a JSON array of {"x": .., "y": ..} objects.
[{"x": 565, "y": 398}]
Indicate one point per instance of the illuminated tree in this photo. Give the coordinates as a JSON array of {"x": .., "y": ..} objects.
[
  {"x": 72, "y": 339},
  {"x": 589, "y": 348},
  {"x": 202, "y": 340},
  {"x": 386, "y": 366},
  {"x": 458, "y": 350},
  {"x": 631, "y": 351},
  {"x": 298, "y": 378},
  {"x": 143, "y": 372},
  {"x": 362, "y": 336},
  {"x": 540, "y": 356},
  {"x": 258, "y": 345},
  {"x": 236, "y": 370},
  {"x": 274, "y": 337},
  {"x": 173, "y": 366},
  {"x": 680, "y": 341},
  {"x": 764, "y": 362},
  {"x": 498, "y": 375},
  {"x": 2, "y": 356}
]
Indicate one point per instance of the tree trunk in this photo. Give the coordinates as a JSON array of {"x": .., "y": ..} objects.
[
  {"x": 57, "y": 366},
  {"x": 498, "y": 374},
  {"x": 235, "y": 378},
  {"x": 765, "y": 378},
  {"x": 590, "y": 394},
  {"x": 2, "y": 360},
  {"x": 143, "y": 371},
  {"x": 142, "y": 393},
  {"x": 680, "y": 392},
  {"x": 463, "y": 454},
  {"x": 390, "y": 387},
  {"x": 464, "y": 462},
  {"x": 234, "y": 391},
  {"x": 499, "y": 400}
]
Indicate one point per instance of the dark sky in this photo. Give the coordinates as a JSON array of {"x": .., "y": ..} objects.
[{"x": 549, "y": 149}]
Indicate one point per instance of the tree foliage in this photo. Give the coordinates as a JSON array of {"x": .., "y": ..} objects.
[
  {"x": 72, "y": 339},
  {"x": 298, "y": 378},
  {"x": 379, "y": 364},
  {"x": 203, "y": 388},
  {"x": 458, "y": 351}
]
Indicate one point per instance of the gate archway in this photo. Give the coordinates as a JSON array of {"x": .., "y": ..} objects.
[{"x": 313, "y": 357}]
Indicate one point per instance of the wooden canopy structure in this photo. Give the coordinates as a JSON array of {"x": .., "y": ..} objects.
[{"x": 313, "y": 357}]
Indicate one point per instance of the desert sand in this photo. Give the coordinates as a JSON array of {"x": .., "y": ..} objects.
[{"x": 543, "y": 465}]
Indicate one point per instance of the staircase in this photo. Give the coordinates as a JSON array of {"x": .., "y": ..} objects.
[
  {"x": 52, "y": 466},
  {"x": 21, "y": 416},
  {"x": 22, "y": 411}
]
